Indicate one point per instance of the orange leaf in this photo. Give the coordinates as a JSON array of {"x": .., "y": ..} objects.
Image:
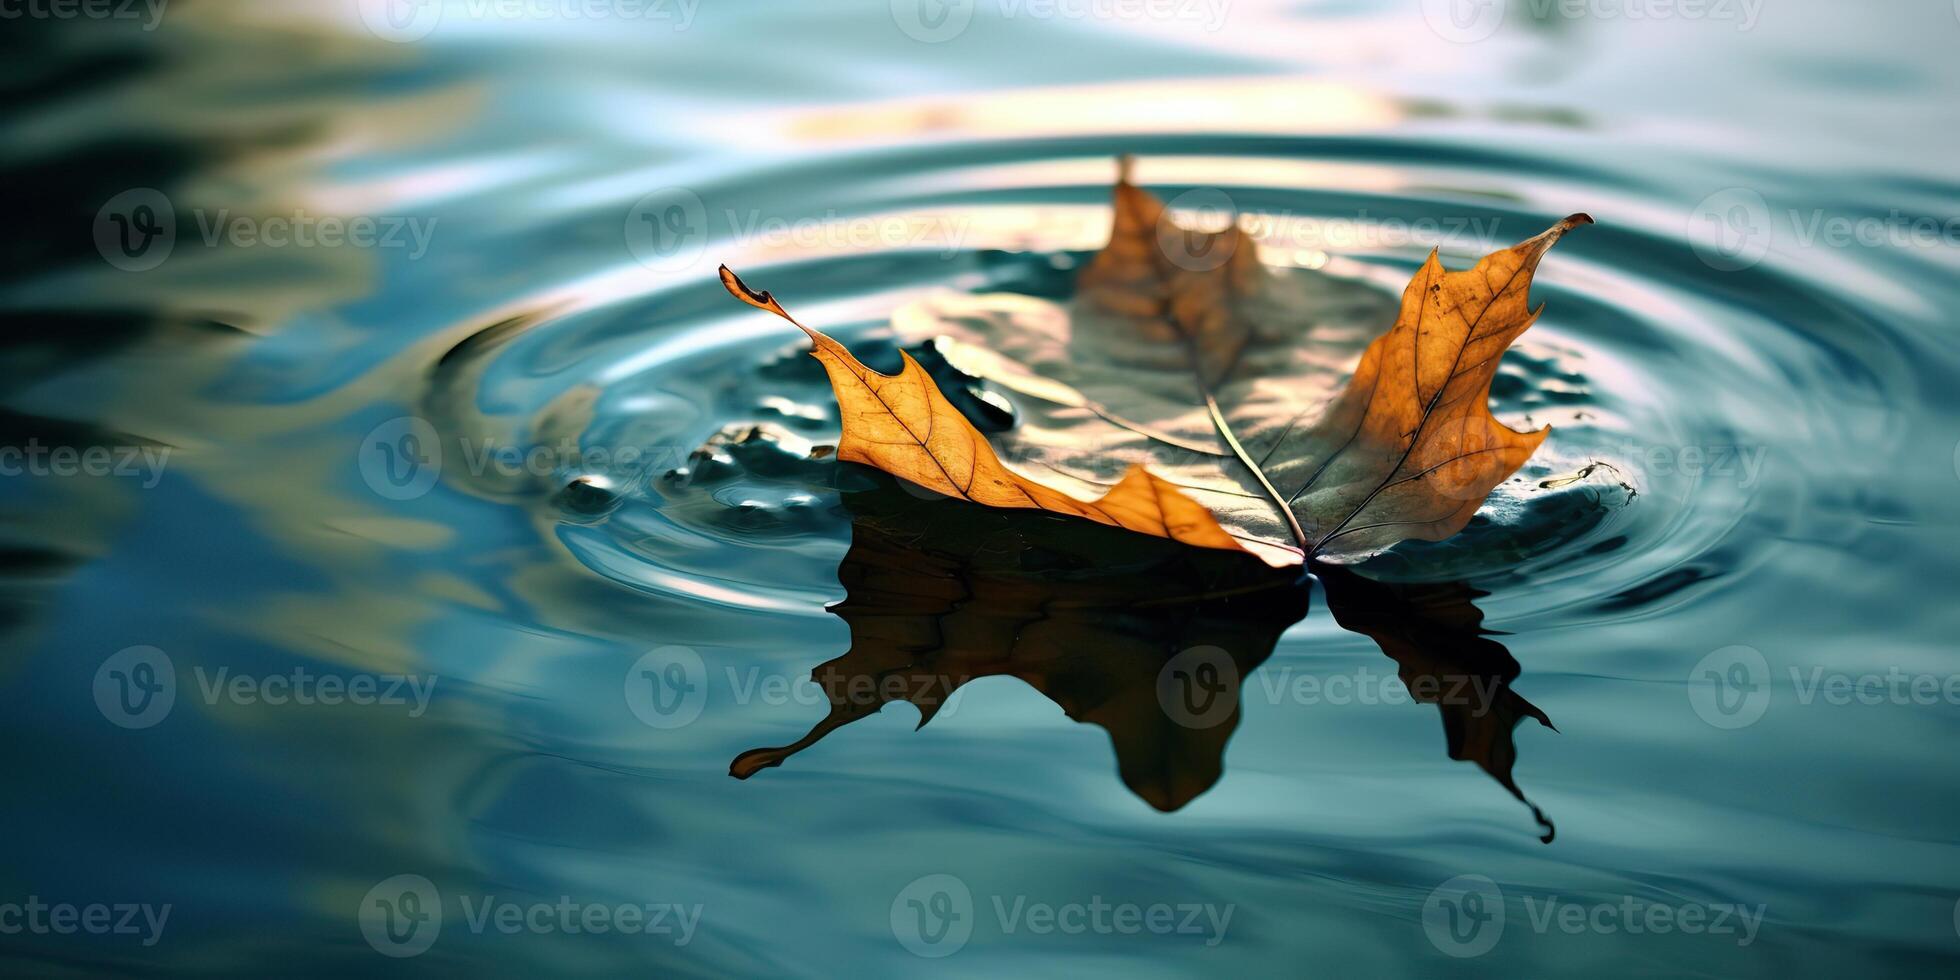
[
  {"x": 1410, "y": 449},
  {"x": 903, "y": 425},
  {"x": 1183, "y": 352}
]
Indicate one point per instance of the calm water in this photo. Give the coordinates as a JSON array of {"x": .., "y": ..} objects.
[{"x": 356, "y": 462}]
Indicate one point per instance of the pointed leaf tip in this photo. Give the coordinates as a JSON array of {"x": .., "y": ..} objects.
[{"x": 758, "y": 298}]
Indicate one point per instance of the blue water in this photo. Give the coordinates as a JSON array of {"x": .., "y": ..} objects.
[{"x": 545, "y": 200}]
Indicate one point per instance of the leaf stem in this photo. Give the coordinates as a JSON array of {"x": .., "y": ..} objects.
[{"x": 1225, "y": 431}]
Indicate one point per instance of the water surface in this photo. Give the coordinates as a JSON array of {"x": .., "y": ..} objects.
[{"x": 549, "y": 198}]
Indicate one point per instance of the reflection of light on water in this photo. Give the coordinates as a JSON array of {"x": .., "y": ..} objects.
[
  {"x": 1194, "y": 170},
  {"x": 430, "y": 184},
  {"x": 1188, "y": 105},
  {"x": 652, "y": 577},
  {"x": 740, "y": 329}
]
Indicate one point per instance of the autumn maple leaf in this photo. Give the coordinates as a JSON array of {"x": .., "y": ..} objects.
[{"x": 1187, "y": 363}]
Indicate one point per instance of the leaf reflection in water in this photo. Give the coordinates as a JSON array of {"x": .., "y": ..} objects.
[{"x": 1150, "y": 639}]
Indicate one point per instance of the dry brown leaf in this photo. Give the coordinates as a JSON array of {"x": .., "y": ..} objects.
[
  {"x": 1410, "y": 449},
  {"x": 903, "y": 425},
  {"x": 1180, "y": 349},
  {"x": 1184, "y": 352}
]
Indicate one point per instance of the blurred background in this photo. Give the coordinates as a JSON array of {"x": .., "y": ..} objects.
[{"x": 328, "y": 575}]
